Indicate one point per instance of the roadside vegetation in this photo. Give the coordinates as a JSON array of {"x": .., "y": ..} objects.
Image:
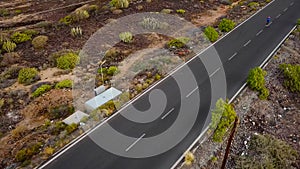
[
  {"x": 38, "y": 54},
  {"x": 256, "y": 81}
]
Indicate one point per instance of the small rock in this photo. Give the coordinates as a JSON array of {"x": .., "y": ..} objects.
[{"x": 117, "y": 11}]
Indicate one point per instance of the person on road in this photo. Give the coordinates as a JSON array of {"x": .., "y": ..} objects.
[{"x": 268, "y": 20}]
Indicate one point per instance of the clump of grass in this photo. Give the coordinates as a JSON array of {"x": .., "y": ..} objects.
[
  {"x": 68, "y": 60},
  {"x": 267, "y": 152},
  {"x": 27, "y": 76},
  {"x": 126, "y": 37}
]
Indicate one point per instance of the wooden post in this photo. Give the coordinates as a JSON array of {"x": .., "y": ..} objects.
[{"x": 236, "y": 122}]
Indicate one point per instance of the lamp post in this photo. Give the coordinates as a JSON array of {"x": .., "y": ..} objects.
[{"x": 101, "y": 63}]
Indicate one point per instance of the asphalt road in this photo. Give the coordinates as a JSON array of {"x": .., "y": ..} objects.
[{"x": 244, "y": 48}]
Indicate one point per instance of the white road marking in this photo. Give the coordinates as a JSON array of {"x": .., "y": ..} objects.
[
  {"x": 291, "y": 4},
  {"x": 167, "y": 113},
  {"x": 247, "y": 43},
  {"x": 191, "y": 92},
  {"x": 214, "y": 72},
  {"x": 258, "y": 33},
  {"x": 134, "y": 143},
  {"x": 285, "y": 9},
  {"x": 278, "y": 16},
  {"x": 233, "y": 56}
]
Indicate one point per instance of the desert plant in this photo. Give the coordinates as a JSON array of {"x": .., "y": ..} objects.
[
  {"x": 189, "y": 158},
  {"x": 226, "y": 121},
  {"x": 256, "y": 81},
  {"x": 126, "y": 37},
  {"x": 48, "y": 151},
  {"x": 292, "y": 76},
  {"x": 119, "y": 3},
  {"x": 66, "y": 20},
  {"x": 112, "y": 70},
  {"x": 178, "y": 42},
  {"x": 298, "y": 22},
  {"x": 4, "y": 12},
  {"x": 153, "y": 23},
  {"x": 267, "y": 152},
  {"x": 26, "y": 153},
  {"x": 64, "y": 84},
  {"x": 27, "y": 76},
  {"x": 9, "y": 46},
  {"x": 3, "y": 38},
  {"x": 226, "y": 25},
  {"x": 71, "y": 128},
  {"x": 253, "y": 5},
  {"x": 39, "y": 42},
  {"x": 68, "y": 60},
  {"x": 80, "y": 15},
  {"x": 19, "y": 37},
  {"x": 76, "y": 32},
  {"x": 41, "y": 90},
  {"x": 211, "y": 34},
  {"x": 19, "y": 131},
  {"x": 181, "y": 11}
]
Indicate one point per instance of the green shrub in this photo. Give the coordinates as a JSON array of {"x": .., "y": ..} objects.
[
  {"x": 126, "y": 37},
  {"x": 267, "y": 1},
  {"x": 64, "y": 84},
  {"x": 3, "y": 38},
  {"x": 9, "y": 46},
  {"x": 226, "y": 25},
  {"x": 66, "y": 20},
  {"x": 71, "y": 128},
  {"x": 60, "y": 111},
  {"x": 298, "y": 22},
  {"x": 225, "y": 122},
  {"x": 292, "y": 76},
  {"x": 4, "y": 12},
  {"x": 80, "y": 15},
  {"x": 181, "y": 11},
  {"x": 112, "y": 70},
  {"x": 41, "y": 90},
  {"x": 211, "y": 34},
  {"x": 253, "y": 5},
  {"x": 27, "y": 76},
  {"x": 76, "y": 32},
  {"x": 153, "y": 23},
  {"x": 267, "y": 152},
  {"x": 30, "y": 32},
  {"x": 58, "y": 127},
  {"x": 75, "y": 17},
  {"x": 256, "y": 81},
  {"x": 178, "y": 42},
  {"x": 19, "y": 37},
  {"x": 68, "y": 61},
  {"x": 18, "y": 11},
  {"x": 39, "y": 42},
  {"x": 27, "y": 153},
  {"x": 119, "y": 3}
]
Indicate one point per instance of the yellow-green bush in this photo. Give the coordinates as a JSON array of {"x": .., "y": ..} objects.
[
  {"x": 267, "y": 152},
  {"x": 71, "y": 128},
  {"x": 211, "y": 34},
  {"x": 27, "y": 76},
  {"x": 119, "y": 3},
  {"x": 222, "y": 118},
  {"x": 178, "y": 42},
  {"x": 126, "y": 37},
  {"x": 226, "y": 25},
  {"x": 64, "y": 84},
  {"x": 39, "y": 42},
  {"x": 9, "y": 46},
  {"x": 41, "y": 90},
  {"x": 256, "y": 81},
  {"x": 68, "y": 60},
  {"x": 75, "y": 17},
  {"x": 181, "y": 11},
  {"x": 19, "y": 37},
  {"x": 292, "y": 76}
]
